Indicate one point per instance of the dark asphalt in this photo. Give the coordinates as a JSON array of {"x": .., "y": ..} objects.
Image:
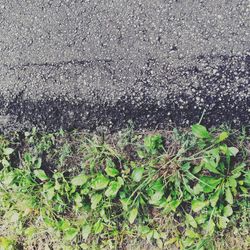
[{"x": 88, "y": 64}]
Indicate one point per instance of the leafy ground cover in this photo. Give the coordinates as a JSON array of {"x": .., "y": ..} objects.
[{"x": 185, "y": 189}]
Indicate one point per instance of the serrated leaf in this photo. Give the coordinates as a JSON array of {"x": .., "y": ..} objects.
[
  {"x": 132, "y": 215},
  {"x": 100, "y": 182},
  {"x": 40, "y": 174},
  {"x": 79, "y": 180},
  {"x": 137, "y": 174},
  {"x": 200, "y": 131}
]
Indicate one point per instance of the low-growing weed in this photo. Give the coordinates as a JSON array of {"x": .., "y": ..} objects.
[{"x": 80, "y": 191}]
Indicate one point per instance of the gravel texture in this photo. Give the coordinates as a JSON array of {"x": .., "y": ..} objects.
[{"x": 94, "y": 64}]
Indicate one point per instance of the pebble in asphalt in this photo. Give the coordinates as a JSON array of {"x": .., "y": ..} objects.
[{"x": 90, "y": 64}]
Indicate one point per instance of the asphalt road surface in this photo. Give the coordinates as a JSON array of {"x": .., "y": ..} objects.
[{"x": 91, "y": 64}]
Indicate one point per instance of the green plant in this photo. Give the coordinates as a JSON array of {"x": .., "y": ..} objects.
[{"x": 80, "y": 191}]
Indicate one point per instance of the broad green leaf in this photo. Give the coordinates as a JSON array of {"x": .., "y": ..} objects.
[
  {"x": 247, "y": 178},
  {"x": 50, "y": 192},
  {"x": 153, "y": 143},
  {"x": 100, "y": 182},
  {"x": 169, "y": 206},
  {"x": 78, "y": 199},
  {"x": 150, "y": 235},
  {"x": 197, "y": 205},
  {"x": 132, "y": 215},
  {"x": 70, "y": 234},
  {"x": 156, "y": 197},
  {"x": 215, "y": 197},
  {"x": 237, "y": 171},
  {"x": 111, "y": 171},
  {"x": 223, "y": 136},
  {"x": 227, "y": 211},
  {"x": 191, "y": 234},
  {"x": 84, "y": 246},
  {"x": 120, "y": 180},
  {"x": 6, "y": 244},
  {"x": 79, "y": 180},
  {"x": 201, "y": 218},
  {"x": 200, "y": 131},
  {"x": 8, "y": 151},
  {"x": 229, "y": 196},
  {"x": 186, "y": 166},
  {"x": 8, "y": 178},
  {"x": 98, "y": 227},
  {"x": 63, "y": 224},
  {"x": 137, "y": 174},
  {"x": 157, "y": 185},
  {"x": 159, "y": 243},
  {"x": 209, "y": 227},
  {"x": 187, "y": 242},
  {"x": 209, "y": 183},
  {"x": 5, "y": 163},
  {"x": 191, "y": 221},
  {"x": 86, "y": 230},
  {"x": 125, "y": 203},
  {"x": 143, "y": 229},
  {"x": 211, "y": 165},
  {"x": 197, "y": 189},
  {"x": 232, "y": 182},
  {"x": 171, "y": 241},
  {"x": 95, "y": 199},
  {"x": 40, "y": 174},
  {"x": 113, "y": 189},
  {"x": 156, "y": 235},
  {"x": 222, "y": 222},
  {"x": 233, "y": 151}
]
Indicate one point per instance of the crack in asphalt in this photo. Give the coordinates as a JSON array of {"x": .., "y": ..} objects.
[{"x": 57, "y": 64}]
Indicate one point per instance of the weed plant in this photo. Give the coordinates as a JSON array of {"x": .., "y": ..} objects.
[{"x": 174, "y": 189}]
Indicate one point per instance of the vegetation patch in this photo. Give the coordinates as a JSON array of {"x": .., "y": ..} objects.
[{"x": 185, "y": 189}]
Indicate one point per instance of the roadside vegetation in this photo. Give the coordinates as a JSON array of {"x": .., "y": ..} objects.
[{"x": 186, "y": 189}]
